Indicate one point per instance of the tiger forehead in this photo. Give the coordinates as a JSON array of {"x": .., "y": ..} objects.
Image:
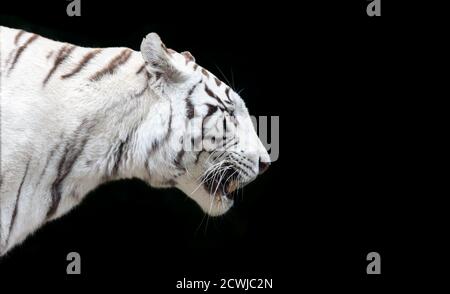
[
  {"x": 208, "y": 75},
  {"x": 189, "y": 59}
]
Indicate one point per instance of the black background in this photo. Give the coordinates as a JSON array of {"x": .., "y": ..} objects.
[{"x": 339, "y": 190}]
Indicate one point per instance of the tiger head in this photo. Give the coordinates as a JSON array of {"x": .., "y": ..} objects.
[{"x": 213, "y": 148}]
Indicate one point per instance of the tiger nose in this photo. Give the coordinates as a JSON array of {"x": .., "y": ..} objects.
[{"x": 263, "y": 166}]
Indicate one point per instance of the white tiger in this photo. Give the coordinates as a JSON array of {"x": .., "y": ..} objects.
[{"x": 73, "y": 118}]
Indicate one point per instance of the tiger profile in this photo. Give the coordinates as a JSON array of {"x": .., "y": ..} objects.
[{"x": 73, "y": 118}]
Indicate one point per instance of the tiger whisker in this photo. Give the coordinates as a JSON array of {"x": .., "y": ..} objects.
[
  {"x": 224, "y": 77},
  {"x": 232, "y": 79},
  {"x": 206, "y": 176},
  {"x": 222, "y": 174}
]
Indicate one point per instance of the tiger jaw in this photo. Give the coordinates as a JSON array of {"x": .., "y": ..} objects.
[
  {"x": 221, "y": 188},
  {"x": 220, "y": 196},
  {"x": 217, "y": 204},
  {"x": 214, "y": 204}
]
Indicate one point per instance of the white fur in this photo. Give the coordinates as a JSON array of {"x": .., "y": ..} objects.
[{"x": 38, "y": 118}]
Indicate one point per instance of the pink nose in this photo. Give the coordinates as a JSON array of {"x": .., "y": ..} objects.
[{"x": 263, "y": 166}]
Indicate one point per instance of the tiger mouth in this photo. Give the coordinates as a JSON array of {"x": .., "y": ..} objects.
[{"x": 224, "y": 184}]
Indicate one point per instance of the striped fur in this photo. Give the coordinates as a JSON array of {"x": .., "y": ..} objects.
[
  {"x": 73, "y": 118},
  {"x": 63, "y": 54}
]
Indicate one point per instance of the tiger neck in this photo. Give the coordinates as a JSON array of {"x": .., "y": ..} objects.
[{"x": 139, "y": 129}]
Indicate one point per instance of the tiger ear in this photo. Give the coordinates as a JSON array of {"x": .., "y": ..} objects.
[{"x": 158, "y": 59}]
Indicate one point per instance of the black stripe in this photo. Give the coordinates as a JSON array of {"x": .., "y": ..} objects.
[
  {"x": 228, "y": 100},
  {"x": 112, "y": 66},
  {"x": 16, "y": 39},
  {"x": 20, "y": 50},
  {"x": 118, "y": 155},
  {"x": 224, "y": 137},
  {"x": 211, "y": 94},
  {"x": 211, "y": 110},
  {"x": 205, "y": 73},
  {"x": 179, "y": 159},
  {"x": 49, "y": 158},
  {"x": 227, "y": 91},
  {"x": 140, "y": 69},
  {"x": 63, "y": 53},
  {"x": 190, "y": 110},
  {"x": 13, "y": 217},
  {"x": 218, "y": 82},
  {"x": 10, "y": 57},
  {"x": 84, "y": 61},
  {"x": 72, "y": 151}
]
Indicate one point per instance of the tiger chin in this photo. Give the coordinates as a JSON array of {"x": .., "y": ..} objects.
[{"x": 73, "y": 118}]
